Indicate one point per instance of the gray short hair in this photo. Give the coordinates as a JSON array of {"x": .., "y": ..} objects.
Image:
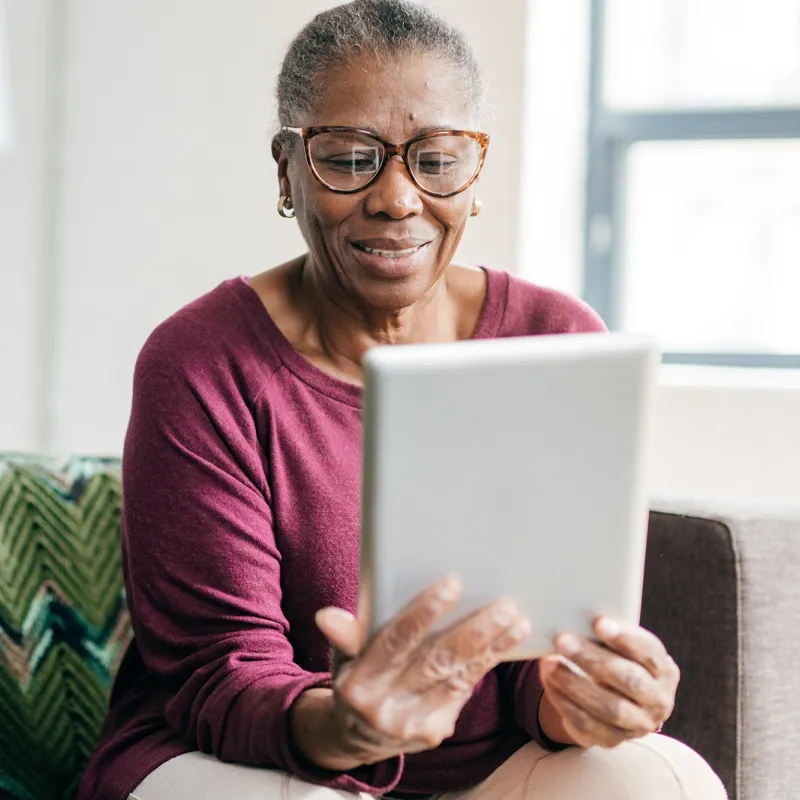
[{"x": 377, "y": 28}]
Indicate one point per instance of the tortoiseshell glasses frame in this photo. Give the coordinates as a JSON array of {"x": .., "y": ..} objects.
[{"x": 389, "y": 150}]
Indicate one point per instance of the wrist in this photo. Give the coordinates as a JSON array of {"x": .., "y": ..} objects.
[
  {"x": 317, "y": 733},
  {"x": 551, "y": 724}
]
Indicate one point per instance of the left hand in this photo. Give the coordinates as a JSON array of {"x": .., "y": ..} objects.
[{"x": 627, "y": 689}]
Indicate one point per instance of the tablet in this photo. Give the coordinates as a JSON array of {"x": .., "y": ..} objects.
[{"x": 517, "y": 464}]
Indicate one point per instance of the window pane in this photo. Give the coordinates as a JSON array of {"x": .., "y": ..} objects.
[
  {"x": 711, "y": 252},
  {"x": 688, "y": 53}
]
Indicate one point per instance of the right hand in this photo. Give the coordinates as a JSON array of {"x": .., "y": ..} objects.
[{"x": 403, "y": 691}]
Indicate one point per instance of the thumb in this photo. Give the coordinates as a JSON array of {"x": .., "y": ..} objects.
[
  {"x": 547, "y": 666},
  {"x": 341, "y": 629}
]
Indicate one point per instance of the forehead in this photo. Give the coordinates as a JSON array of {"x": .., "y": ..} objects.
[{"x": 396, "y": 97}]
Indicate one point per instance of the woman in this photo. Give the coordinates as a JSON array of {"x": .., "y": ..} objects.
[{"x": 241, "y": 494}]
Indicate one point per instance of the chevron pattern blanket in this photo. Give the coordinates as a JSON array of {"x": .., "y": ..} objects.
[{"x": 63, "y": 621}]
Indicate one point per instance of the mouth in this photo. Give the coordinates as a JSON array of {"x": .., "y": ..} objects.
[
  {"x": 392, "y": 253},
  {"x": 392, "y": 259}
]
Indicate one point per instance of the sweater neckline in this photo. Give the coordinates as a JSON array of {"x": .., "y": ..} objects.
[{"x": 489, "y": 323}]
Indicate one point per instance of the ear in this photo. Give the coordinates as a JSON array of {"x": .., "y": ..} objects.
[{"x": 282, "y": 159}]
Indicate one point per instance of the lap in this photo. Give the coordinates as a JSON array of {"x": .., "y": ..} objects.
[
  {"x": 197, "y": 776},
  {"x": 652, "y": 768}
]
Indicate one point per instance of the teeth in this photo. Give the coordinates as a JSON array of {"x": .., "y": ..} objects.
[{"x": 389, "y": 253}]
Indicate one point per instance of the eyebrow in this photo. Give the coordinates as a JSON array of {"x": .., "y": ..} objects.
[
  {"x": 417, "y": 131},
  {"x": 432, "y": 128}
]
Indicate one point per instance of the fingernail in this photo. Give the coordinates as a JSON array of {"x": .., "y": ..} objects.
[
  {"x": 449, "y": 589},
  {"x": 608, "y": 628},
  {"x": 573, "y": 667},
  {"x": 568, "y": 644}
]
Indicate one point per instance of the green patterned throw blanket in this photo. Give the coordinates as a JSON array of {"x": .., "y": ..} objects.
[{"x": 63, "y": 622}]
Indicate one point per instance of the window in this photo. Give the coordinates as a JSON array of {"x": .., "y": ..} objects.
[{"x": 693, "y": 201}]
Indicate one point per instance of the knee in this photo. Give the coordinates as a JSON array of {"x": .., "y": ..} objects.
[{"x": 652, "y": 768}]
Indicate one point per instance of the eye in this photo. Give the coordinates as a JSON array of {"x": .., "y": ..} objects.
[
  {"x": 438, "y": 165},
  {"x": 352, "y": 161},
  {"x": 435, "y": 162}
]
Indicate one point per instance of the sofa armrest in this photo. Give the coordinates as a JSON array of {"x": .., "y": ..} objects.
[{"x": 722, "y": 589}]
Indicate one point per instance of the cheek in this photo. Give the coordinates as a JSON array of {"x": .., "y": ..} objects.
[
  {"x": 327, "y": 209},
  {"x": 453, "y": 214},
  {"x": 328, "y": 216},
  {"x": 323, "y": 218},
  {"x": 456, "y": 209},
  {"x": 316, "y": 207}
]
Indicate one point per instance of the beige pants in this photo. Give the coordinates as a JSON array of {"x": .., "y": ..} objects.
[{"x": 653, "y": 768}]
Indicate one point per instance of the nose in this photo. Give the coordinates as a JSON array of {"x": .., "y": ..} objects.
[{"x": 394, "y": 193}]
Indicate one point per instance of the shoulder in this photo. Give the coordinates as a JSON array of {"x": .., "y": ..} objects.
[
  {"x": 209, "y": 344},
  {"x": 195, "y": 396},
  {"x": 532, "y": 309}
]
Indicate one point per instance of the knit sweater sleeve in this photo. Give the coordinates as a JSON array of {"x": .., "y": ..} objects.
[{"x": 203, "y": 567}]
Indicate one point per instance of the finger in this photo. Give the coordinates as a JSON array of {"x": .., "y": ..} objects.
[
  {"x": 622, "y": 675},
  {"x": 637, "y": 644},
  {"x": 400, "y": 637},
  {"x": 341, "y": 629},
  {"x": 602, "y": 704},
  {"x": 510, "y": 639},
  {"x": 586, "y": 730}
]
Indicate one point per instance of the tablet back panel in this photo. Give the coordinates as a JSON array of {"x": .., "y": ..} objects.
[{"x": 517, "y": 464}]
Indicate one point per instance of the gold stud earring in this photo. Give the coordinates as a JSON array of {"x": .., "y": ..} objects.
[
  {"x": 285, "y": 206},
  {"x": 477, "y": 205}
]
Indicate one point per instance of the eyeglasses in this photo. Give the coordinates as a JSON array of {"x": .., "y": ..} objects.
[{"x": 347, "y": 160}]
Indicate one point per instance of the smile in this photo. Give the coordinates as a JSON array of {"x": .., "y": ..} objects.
[{"x": 388, "y": 253}]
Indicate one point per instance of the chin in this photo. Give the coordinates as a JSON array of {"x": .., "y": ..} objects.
[
  {"x": 388, "y": 284},
  {"x": 394, "y": 294}
]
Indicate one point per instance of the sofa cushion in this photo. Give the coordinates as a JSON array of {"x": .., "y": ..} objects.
[
  {"x": 63, "y": 621},
  {"x": 690, "y": 601}
]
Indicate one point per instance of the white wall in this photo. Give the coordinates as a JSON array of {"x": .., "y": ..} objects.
[
  {"x": 169, "y": 186},
  {"x": 553, "y": 161},
  {"x": 723, "y": 432},
  {"x": 24, "y": 198},
  {"x": 6, "y": 126}
]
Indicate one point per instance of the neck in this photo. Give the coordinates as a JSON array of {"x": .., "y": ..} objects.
[{"x": 340, "y": 329}]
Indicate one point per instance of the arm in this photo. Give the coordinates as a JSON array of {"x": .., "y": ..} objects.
[
  {"x": 316, "y": 730},
  {"x": 203, "y": 567},
  {"x": 551, "y": 723}
]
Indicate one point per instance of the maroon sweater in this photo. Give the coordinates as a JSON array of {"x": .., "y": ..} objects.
[{"x": 241, "y": 477}]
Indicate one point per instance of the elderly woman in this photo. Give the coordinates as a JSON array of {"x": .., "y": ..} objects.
[{"x": 241, "y": 489}]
